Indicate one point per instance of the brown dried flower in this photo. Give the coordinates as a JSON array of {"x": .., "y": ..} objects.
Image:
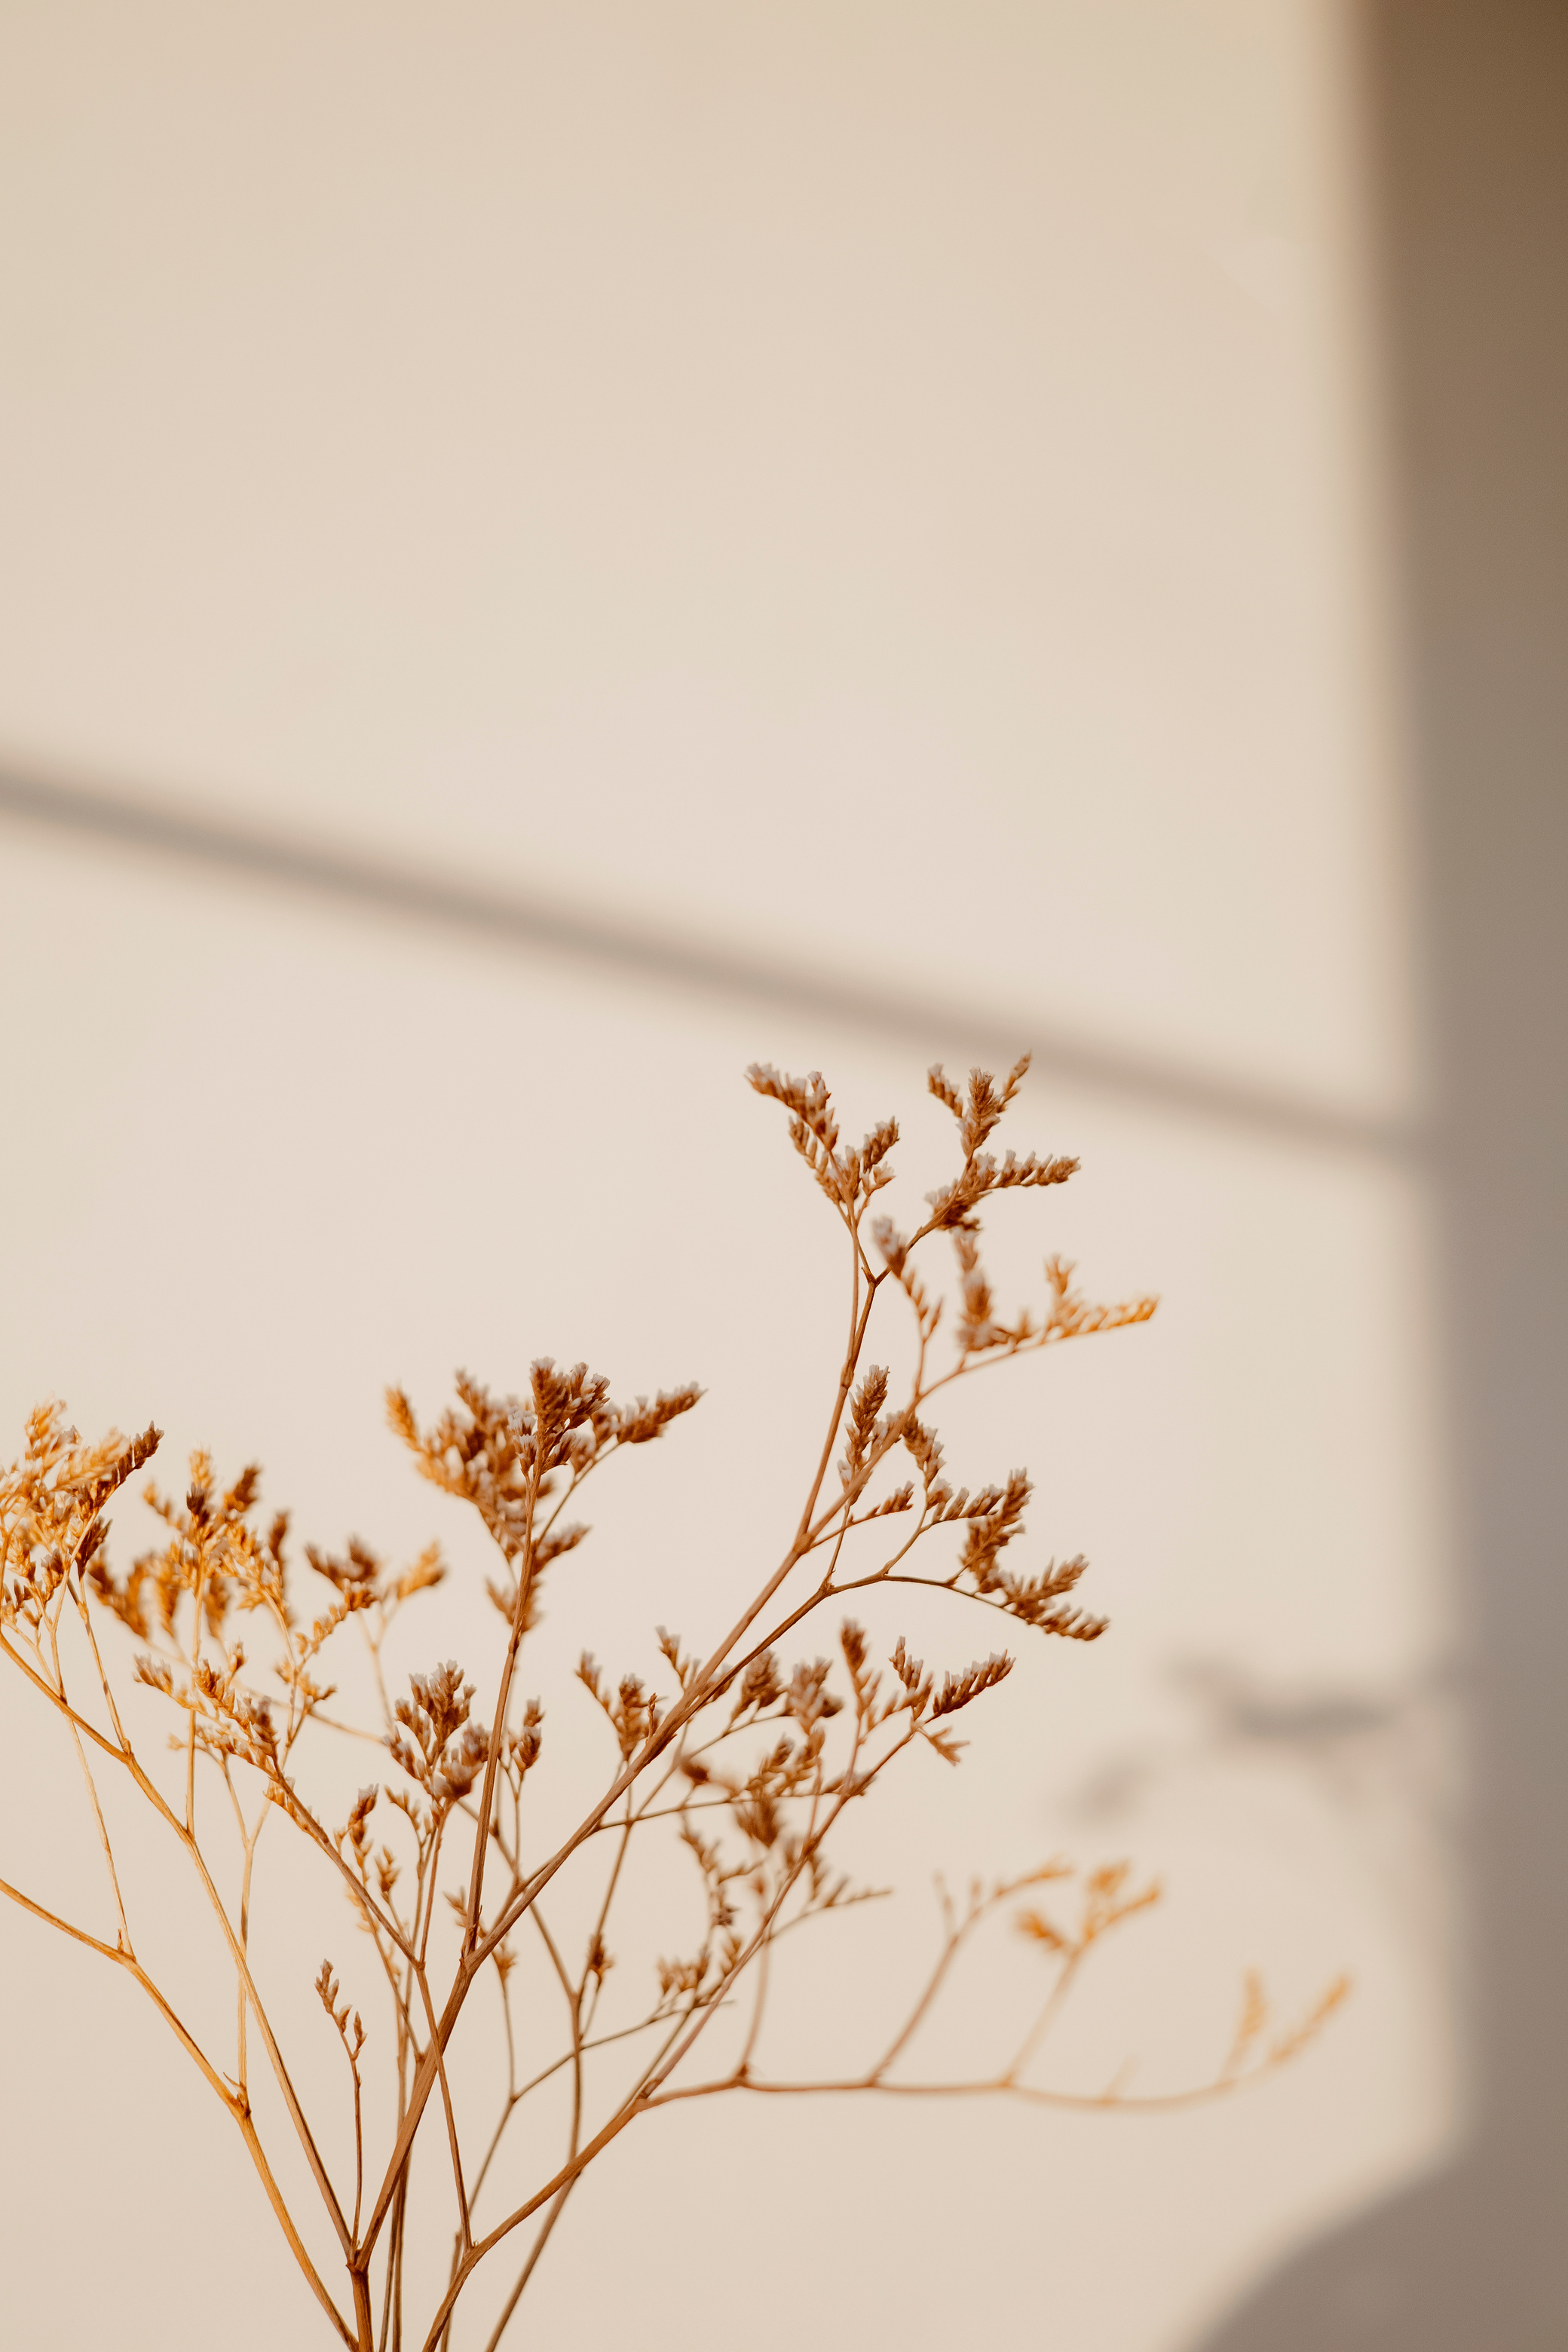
[{"x": 750, "y": 1762}]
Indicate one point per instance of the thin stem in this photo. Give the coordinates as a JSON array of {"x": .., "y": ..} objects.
[
  {"x": 477, "y": 1949},
  {"x": 955, "y": 1942},
  {"x": 201, "y": 1588},
  {"x": 93, "y": 1800},
  {"x": 1046, "y": 2017},
  {"x": 241, "y": 2114},
  {"x": 464, "y": 2225},
  {"x": 503, "y": 1698},
  {"x": 392, "y": 2301},
  {"x": 359, "y": 2155},
  {"x": 149, "y": 1788},
  {"x": 744, "y": 2061},
  {"x": 248, "y": 1841},
  {"x": 985, "y": 2086},
  {"x": 515, "y": 2297}
]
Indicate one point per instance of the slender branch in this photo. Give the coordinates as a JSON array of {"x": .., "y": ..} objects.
[
  {"x": 249, "y": 1839},
  {"x": 503, "y": 1698},
  {"x": 479, "y": 1949},
  {"x": 126, "y": 1757},
  {"x": 201, "y": 1557},
  {"x": 541, "y": 2242},
  {"x": 92, "y": 1798},
  {"x": 1049, "y": 2012},
  {"x": 238, "y": 2110},
  {"x": 201, "y": 1588},
  {"x": 434, "y": 2045},
  {"x": 955, "y": 1939},
  {"x": 990, "y": 2085}
]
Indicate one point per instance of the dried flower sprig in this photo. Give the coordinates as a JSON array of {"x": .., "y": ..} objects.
[{"x": 750, "y": 1763}]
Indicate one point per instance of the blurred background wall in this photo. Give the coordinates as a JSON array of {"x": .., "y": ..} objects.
[
  {"x": 1468, "y": 114},
  {"x": 545, "y": 552}
]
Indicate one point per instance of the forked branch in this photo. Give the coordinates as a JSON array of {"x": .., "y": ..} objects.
[{"x": 742, "y": 1763}]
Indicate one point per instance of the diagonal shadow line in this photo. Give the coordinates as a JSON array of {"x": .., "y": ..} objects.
[{"x": 531, "y": 923}]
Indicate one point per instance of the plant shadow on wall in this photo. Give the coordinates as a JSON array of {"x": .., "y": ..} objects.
[{"x": 741, "y": 1765}]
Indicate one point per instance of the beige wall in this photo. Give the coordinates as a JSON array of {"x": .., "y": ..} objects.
[{"x": 885, "y": 496}]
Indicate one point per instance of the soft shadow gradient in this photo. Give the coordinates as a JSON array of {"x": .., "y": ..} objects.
[
  {"x": 1467, "y": 107},
  {"x": 536, "y": 922}
]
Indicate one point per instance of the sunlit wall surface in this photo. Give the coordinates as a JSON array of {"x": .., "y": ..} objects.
[{"x": 881, "y": 505}]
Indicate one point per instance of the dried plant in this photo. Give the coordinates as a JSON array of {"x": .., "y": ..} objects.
[{"x": 747, "y": 1763}]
